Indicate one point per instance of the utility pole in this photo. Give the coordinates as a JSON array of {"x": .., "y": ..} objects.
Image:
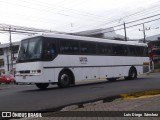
[
  {"x": 125, "y": 31},
  {"x": 144, "y": 33},
  {"x": 10, "y": 40}
]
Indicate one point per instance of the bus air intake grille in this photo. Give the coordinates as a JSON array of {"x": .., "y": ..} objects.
[{"x": 24, "y": 71}]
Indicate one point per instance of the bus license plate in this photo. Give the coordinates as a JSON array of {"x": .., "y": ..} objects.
[{"x": 24, "y": 77}]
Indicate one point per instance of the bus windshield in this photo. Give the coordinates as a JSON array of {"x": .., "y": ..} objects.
[{"x": 30, "y": 50}]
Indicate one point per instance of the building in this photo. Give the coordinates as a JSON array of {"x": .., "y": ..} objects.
[
  {"x": 154, "y": 52},
  {"x": 5, "y": 57},
  {"x": 108, "y": 33}
]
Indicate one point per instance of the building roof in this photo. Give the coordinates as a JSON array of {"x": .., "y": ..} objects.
[
  {"x": 6, "y": 45},
  {"x": 95, "y": 31},
  {"x": 108, "y": 33}
]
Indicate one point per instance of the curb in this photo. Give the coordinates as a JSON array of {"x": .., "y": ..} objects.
[
  {"x": 127, "y": 96},
  {"x": 69, "y": 108},
  {"x": 142, "y": 94},
  {"x": 89, "y": 103}
]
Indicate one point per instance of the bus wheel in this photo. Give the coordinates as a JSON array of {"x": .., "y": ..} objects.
[
  {"x": 111, "y": 79},
  {"x": 64, "y": 79},
  {"x": 42, "y": 86},
  {"x": 132, "y": 74}
]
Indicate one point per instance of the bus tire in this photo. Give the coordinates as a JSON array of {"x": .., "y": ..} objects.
[
  {"x": 132, "y": 74},
  {"x": 42, "y": 86},
  {"x": 64, "y": 79}
]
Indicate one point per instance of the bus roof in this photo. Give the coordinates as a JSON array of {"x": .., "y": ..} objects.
[{"x": 75, "y": 37}]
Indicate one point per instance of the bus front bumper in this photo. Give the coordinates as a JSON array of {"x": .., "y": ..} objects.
[{"x": 29, "y": 79}]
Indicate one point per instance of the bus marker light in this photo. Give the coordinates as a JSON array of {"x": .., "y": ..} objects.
[{"x": 38, "y": 71}]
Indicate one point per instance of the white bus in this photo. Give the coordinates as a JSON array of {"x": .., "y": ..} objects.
[{"x": 67, "y": 59}]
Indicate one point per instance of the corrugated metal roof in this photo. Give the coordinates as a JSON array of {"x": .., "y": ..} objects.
[{"x": 8, "y": 44}]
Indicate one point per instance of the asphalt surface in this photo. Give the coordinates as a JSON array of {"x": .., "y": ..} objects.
[{"x": 29, "y": 98}]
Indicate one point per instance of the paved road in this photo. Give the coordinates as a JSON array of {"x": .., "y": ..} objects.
[{"x": 29, "y": 98}]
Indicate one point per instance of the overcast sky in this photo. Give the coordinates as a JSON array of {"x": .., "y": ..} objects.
[{"x": 70, "y": 15}]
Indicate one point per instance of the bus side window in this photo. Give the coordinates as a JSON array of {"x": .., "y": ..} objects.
[
  {"x": 132, "y": 50},
  {"x": 69, "y": 47},
  {"x": 117, "y": 50},
  {"x": 52, "y": 49},
  {"x": 104, "y": 49},
  {"x": 88, "y": 47},
  {"x": 147, "y": 52},
  {"x": 139, "y": 51},
  {"x": 49, "y": 49}
]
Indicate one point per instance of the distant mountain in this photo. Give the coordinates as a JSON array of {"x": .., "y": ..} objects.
[{"x": 154, "y": 37}]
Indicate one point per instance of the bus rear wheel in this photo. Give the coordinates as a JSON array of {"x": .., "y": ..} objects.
[
  {"x": 64, "y": 79},
  {"x": 132, "y": 74},
  {"x": 42, "y": 86}
]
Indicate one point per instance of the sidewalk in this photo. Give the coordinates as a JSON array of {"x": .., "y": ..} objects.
[{"x": 127, "y": 105}]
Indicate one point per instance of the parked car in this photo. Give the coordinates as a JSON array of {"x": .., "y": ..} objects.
[{"x": 7, "y": 79}]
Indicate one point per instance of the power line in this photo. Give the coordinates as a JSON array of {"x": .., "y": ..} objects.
[
  {"x": 51, "y": 7},
  {"x": 19, "y": 29},
  {"x": 132, "y": 16},
  {"x": 23, "y": 30},
  {"x": 51, "y": 11},
  {"x": 126, "y": 27},
  {"x": 62, "y": 8}
]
